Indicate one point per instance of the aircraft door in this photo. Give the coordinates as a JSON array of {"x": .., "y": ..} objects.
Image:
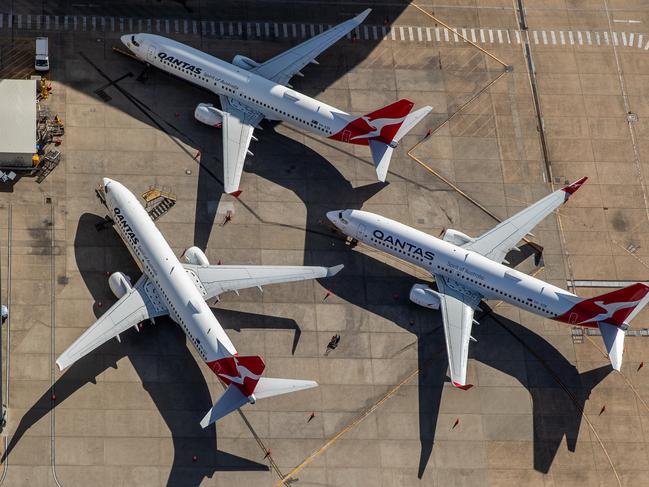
[
  {"x": 360, "y": 232},
  {"x": 150, "y": 52}
]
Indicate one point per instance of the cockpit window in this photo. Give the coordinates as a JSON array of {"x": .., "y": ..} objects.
[
  {"x": 135, "y": 43},
  {"x": 342, "y": 218},
  {"x": 340, "y": 215}
]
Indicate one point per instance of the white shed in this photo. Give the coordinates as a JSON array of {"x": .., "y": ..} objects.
[{"x": 17, "y": 123}]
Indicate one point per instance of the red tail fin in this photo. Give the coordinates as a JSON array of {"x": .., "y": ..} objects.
[
  {"x": 613, "y": 308},
  {"x": 381, "y": 124},
  {"x": 243, "y": 372}
]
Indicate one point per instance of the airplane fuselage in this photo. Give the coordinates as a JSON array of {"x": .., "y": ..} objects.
[
  {"x": 464, "y": 268},
  {"x": 172, "y": 284},
  {"x": 244, "y": 88}
]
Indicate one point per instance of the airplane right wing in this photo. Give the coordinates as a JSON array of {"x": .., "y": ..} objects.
[
  {"x": 284, "y": 66},
  {"x": 457, "y": 305},
  {"x": 239, "y": 121},
  {"x": 139, "y": 304},
  {"x": 213, "y": 280}
]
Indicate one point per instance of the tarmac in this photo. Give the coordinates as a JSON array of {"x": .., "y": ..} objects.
[{"x": 546, "y": 409}]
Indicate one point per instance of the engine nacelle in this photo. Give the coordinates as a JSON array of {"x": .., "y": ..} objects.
[
  {"x": 424, "y": 296},
  {"x": 457, "y": 238},
  {"x": 195, "y": 256},
  {"x": 120, "y": 284},
  {"x": 244, "y": 62},
  {"x": 207, "y": 114}
]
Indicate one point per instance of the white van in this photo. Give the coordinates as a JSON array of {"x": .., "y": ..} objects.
[{"x": 42, "y": 58}]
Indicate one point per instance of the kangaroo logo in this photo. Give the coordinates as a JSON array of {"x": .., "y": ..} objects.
[
  {"x": 243, "y": 373},
  {"x": 610, "y": 308},
  {"x": 377, "y": 125}
]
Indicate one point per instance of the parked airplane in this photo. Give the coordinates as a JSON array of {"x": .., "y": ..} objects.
[
  {"x": 168, "y": 287},
  {"x": 468, "y": 269},
  {"x": 250, "y": 92}
]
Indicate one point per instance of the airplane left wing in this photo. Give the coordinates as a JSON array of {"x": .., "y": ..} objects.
[
  {"x": 139, "y": 304},
  {"x": 497, "y": 242},
  {"x": 457, "y": 305},
  {"x": 239, "y": 121},
  {"x": 213, "y": 280},
  {"x": 284, "y": 66}
]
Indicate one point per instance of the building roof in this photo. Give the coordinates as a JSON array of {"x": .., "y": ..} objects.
[{"x": 18, "y": 123}]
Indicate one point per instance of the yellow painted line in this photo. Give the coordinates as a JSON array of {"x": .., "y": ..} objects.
[{"x": 286, "y": 480}]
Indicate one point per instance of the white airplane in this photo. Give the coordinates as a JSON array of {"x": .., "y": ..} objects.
[
  {"x": 250, "y": 92},
  {"x": 169, "y": 287},
  {"x": 468, "y": 270}
]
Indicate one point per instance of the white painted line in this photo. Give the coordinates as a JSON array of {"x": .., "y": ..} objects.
[
  {"x": 588, "y": 39},
  {"x": 509, "y": 39},
  {"x": 194, "y": 26},
  {"x": 553, "y": 37},
  {"x": 535, "y": 35},
  {"x": 572, "y": 40},
  {"x": 29, "y": 21},
  {"x": 212, "y": 27},
  {"x": 518, "y": 37},
  {"x": 563, "y": 39},
  {"x": 606, "y": 38},
  {"x": 545, "y": 37},
  {"x": 437, "y": 37},
  {"x": 597, "y": 39},
  {"x": 446, "y": 34},
  {"x": 93, "y": 21},
  {"x": 303, "y": 30},
  {"x": 410, "y": 35},
  {"x": 631, "y": 38},
  {"x": 393, "y": 33},
  {"x": 267, "y": 29},
  {"x": 285, "y": 30},
  {"x": 491, "y": 36},
  {"x": 375, "y": 33},
  {"x": 624, "y": 38},
  {"x": 464, "y": 34},
  {"x": 312, "y": 29},
  {"x": 500, "y": 36},
  {"x": 1, "y": 20},
  {"x": 293, "y": 28},
  {"x": 455, "y": 36},
  {"x": 177, "y": 26},
  {"x": 276, "y": 27},
  {"x": 56, "y": 23},
  {"x": 74, "y": 22},
  {"x": 112, "y": 23},
  {"x": 473, "y": 35},
  {"x": 257, "y": 29},
  {"x": 47, "y": 22},
  {"x": 482, "y": 40},
  {"x": 402, "y": 34},
  {"x": 646, "y": 46},
  {"x": 384, "y": 31},
  {"x": 640, "y": 40},
  {"x": 420, "y": 34},
  {"x": 614, "y": 39},
  {"x": 366, "y": 32},
  {"x": 579, "y": 38},
  {"x": 428, "y": 35}
]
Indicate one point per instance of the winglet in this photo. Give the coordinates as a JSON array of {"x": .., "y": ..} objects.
[
  {"x": 332, "y": 271},
  {"x": 571, "y": 188},
  {"x": 464, "y": 387},
  {"x": 236, "y": 194}
]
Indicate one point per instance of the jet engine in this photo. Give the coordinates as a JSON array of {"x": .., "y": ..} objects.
[
  {"x": 244, "y": 62},
  {"x": 120, "y": 284},
  {"x": 207, "y": 114},
  {"x": 457, "y": 238},
  {"x": 195, "y": 256},
  {"x": 424, "y": 296}
]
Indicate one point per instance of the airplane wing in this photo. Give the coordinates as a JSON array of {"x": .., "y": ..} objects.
[
  {"x": 239, "y": 121},
  {"x": 457, "y": 305},
  {"x": 497, "y": 242},
  {"x": 284, "y": 66},
  {"x": 213, "y": 280},
  {"x": 139, "y": 304}
]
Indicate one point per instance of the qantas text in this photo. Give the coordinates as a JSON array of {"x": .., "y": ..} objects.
[
  {"x": 170, "y": 59},
  {"x": 126, "y": 228},
  {"x": 378, "y": 234}
]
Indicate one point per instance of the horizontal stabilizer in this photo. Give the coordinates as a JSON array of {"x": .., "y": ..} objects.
[
  {"x": 411, "y": 120},
  {"x": 613, "y": 337},
  {"x": 231, "y": 400},
  {"x": 381, "y": 154},
  {"x": 269, "y": 387}
]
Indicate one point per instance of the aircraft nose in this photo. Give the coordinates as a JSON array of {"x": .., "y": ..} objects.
[
  {"x": 125, "y": 39},
  {"x": 333, "y": 217},
  {"x": 106, "y": 181}
]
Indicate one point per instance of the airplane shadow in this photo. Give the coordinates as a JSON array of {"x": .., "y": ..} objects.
[
  {"x": 534, "y": 362},
  {"x": 171, "y": 375}
]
